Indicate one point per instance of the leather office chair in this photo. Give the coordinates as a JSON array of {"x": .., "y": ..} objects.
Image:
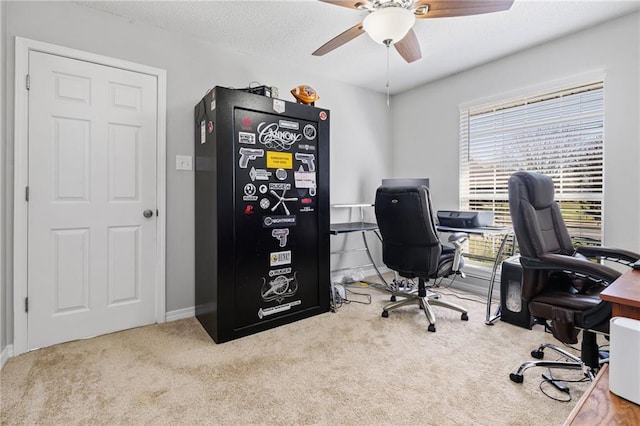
[
  {"x": 411, "y": 247},
  {"x": 561, "y": 283}
]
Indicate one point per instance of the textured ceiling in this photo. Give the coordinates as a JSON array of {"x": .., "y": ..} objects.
[{"x": 288, "y": 31}]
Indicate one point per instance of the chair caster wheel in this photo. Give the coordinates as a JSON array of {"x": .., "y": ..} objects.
[
  {"x": 385, "y": 314},
  {"x": 432, "y": 328},
  {"x": 393, "y": 298},
  {"x": 464, "y": 317},
  {"x": 516, "y": 378},
  {"x": 537, "y": 354}
]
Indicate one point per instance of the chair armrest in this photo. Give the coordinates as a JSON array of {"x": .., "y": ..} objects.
[
  {"x": 572, "y": 264},
  {"x": 608, "y": 253},
  {"x": 458, "y": 236}
]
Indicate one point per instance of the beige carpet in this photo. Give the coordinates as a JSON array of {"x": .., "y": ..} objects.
[{"x": 350, "y": 367}]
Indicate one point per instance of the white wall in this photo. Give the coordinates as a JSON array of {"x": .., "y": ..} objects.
[
  {"x": 425, "y": 120},
  {"x": 3, "y": 280},
  {"x": 359, "y": 119}
]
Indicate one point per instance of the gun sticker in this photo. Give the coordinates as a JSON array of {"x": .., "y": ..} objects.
[
  {"x": 279, "y": 160},
  {"x": 247, "y": 154},
  {"x": 308, "y": 160},
  {"x": 281, "y": 235}
]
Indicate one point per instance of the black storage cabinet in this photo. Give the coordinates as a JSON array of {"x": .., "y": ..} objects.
[{"x": 261, "y": 212}]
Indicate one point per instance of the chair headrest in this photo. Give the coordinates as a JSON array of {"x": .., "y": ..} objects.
[{"x": 539, "y": 188}]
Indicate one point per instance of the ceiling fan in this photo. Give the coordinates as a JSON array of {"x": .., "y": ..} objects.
[{"x": 391, "y": 21}]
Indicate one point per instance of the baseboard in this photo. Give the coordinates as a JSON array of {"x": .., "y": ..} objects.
[
  {"x": 471, "y": 286},
  {"x": 6, "y": 353},
  {"x": 179, "y": 314}
]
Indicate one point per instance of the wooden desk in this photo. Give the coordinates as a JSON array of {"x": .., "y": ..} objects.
[
  {"x": 599, "y": 407},
  {"x": 624, "y": 295}
]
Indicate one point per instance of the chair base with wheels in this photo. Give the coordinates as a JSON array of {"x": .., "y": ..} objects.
[
  {"x": 589, "y": 346},
  {"x": 425, "y": 299},
  {"x": 411, "y": 247}
]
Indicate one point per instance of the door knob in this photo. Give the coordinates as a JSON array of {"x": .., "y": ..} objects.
[{"x": 147, "y": 213}]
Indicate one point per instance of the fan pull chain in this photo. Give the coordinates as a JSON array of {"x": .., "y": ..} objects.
[{"x": 387, "y": 43}]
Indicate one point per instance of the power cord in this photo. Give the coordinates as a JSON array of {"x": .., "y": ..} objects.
[
  {"x": 365, "y": 295},
  {"x": 453, "y": 293},
  {"x": 558, "y": 384}
]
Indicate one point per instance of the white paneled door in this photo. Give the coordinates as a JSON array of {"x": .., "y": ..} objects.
[{"x": 92, "y": 199}]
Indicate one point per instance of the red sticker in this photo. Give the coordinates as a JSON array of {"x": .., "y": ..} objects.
[
  {"x": 323, "y": 115},
  {"x": 210, "y": 126}
]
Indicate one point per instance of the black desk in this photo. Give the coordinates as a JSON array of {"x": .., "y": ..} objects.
[
  {"x": 342, "y": 228},
  {"x": 358, "y": 226},
  {"x": 363, "y": 227}
]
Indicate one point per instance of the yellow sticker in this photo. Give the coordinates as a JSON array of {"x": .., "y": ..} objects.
[{"x": 279, "y": 160}]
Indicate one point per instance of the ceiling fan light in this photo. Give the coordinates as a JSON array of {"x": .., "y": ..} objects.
[{"x": 389, "y": 23}]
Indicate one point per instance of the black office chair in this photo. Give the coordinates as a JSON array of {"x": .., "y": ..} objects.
[
  {"x": 411, "y": 247},
  {"x": 561, "y": 283}
]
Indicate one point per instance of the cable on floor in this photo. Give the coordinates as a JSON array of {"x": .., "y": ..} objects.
[
  {"x": 365, "y": 295},
  {"x": 555, "y": 379}
]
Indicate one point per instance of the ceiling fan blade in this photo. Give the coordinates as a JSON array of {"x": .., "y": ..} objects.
[
  {"x": 339, "y": 40},
  {"x": 349, "y": 4},
  {"x": 408, "y": 47},
  {"x": 451, "y": 8}
]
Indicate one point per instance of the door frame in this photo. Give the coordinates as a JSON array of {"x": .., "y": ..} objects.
[{"x": 23, "y": 48}]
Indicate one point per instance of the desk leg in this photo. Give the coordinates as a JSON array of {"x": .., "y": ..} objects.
[
  {"x": 366, "y": 245},
  {"x": 489, "y": 320}
]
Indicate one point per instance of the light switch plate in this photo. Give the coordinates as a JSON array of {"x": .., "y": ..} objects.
[{"x": 184, "y": 162}]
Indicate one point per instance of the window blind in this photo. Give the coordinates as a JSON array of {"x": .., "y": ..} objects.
[{"x": 559, "y": 134}]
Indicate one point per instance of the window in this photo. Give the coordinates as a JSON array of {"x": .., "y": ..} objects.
[{"x": 559, "y": 134}]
